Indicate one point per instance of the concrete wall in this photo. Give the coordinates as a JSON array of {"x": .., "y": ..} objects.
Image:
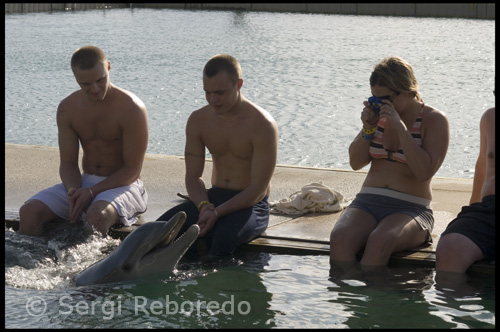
[
  {"x": 11, "y": 8},
  {"x": 458, "y": 10},
  {"x": 449, "y": 10}
]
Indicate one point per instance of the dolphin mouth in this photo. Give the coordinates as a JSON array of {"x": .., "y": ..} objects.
[
  {"x": 170, "y": 239},
  {"x": 171, "y": 234}
]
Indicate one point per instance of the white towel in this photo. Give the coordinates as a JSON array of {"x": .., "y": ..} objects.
[{"x": 313, "y": 197}]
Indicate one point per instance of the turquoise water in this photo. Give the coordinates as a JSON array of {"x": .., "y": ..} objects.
[{"x": 310, "y": 71}]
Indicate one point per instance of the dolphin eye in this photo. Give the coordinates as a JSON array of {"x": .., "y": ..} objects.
[{"x": 127, "y": 267}]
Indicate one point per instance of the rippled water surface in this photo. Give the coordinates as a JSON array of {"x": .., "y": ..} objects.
[
  {"x": 310, "y": 71},
  {"x": 249, "y": 290}
]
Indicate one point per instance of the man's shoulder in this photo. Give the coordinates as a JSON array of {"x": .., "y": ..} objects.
[
  {"x": 70, "y": 101},
  {"x": 260, "y": 114},
  {"x": 488, "y": 116},
  {"x": 125, "y": 96},
  {"x": 198, "y": 118},
  {"x": 201, "y": 112},
  {"x": 490, "y": 112}
]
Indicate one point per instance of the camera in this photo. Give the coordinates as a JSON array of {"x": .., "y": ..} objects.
[{"x": 376, "y": 103}]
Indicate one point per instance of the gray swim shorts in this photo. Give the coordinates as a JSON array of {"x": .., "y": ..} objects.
[
  {"x": 129, "y": 201},
  {"x": 381, "y": 202}
]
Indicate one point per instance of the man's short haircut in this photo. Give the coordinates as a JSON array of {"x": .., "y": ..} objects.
[
  {"x": 223, "y": 62},
  {"x": 86, "y": 57}
]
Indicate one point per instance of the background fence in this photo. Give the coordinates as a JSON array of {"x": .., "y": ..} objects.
[{"x": 449, "y": 10}]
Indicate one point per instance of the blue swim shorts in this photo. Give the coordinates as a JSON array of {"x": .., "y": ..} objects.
[{"x": 231, "y": 230}]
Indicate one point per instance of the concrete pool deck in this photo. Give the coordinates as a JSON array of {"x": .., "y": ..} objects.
[{"x": 29, "y": 169}]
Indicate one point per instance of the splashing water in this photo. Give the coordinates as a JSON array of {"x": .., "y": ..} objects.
[{"x": 50, "y": 262}]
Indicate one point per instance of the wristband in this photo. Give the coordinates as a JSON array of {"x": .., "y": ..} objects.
[
  {"x": 202, "y": 203},
  {"x": 366, "y": 136},
  {"x": 369, "y": 131},
  {"x": 72, "y": 188},
  {"x": 91, "y": 193}
]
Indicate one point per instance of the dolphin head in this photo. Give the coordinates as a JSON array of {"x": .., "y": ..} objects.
[{"x": 148, "y": 251}]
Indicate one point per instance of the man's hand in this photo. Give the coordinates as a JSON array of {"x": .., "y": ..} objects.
[
  {"x": 207, "y": 218},
  {"x": 79, "y": 200}
]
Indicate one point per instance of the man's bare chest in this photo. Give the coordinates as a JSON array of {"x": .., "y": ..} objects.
[
  {"x": 97, "y": 128},
  {"x": 230, "y": 142}
]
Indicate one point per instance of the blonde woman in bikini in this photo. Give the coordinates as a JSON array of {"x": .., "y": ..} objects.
[{"x": 406, "y": 142}]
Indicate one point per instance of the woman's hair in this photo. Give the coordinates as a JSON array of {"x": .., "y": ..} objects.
[
  {"x": 86, "y": 57},
  {"x": 223, "y": 62},
  {"x": 396, "y": 74}
]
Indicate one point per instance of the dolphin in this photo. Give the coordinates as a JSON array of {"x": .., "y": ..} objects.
[{"x": 149, "y": 251}]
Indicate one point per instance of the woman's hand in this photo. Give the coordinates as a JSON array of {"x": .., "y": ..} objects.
[
  {"x": 368, "y": 116},
  {"x": 389, "y": 112}
]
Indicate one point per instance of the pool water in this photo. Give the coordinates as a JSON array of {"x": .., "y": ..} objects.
[
  {"x": 310, "y": 71},
  {"x": 248, "y": 290}
]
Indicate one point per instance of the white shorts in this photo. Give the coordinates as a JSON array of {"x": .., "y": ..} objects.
[{"x": 129, "y": 201}]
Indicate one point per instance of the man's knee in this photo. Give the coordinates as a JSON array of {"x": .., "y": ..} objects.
[
  {"x": 188, "y": 207},
  {"x": 446, "y": 250},
  {"x": 31, "y": 208},
  {"x": 102, "y": 215},
  {"x": 32, "y": 215}
]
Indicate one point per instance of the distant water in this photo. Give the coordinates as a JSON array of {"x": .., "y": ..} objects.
[{"x": 310, "y": 71}]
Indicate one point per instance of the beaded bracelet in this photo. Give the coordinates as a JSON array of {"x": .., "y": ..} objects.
[{"x": 369, "y": 131}]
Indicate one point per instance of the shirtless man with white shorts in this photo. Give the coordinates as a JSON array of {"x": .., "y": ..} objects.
[{"x": 111, "y": 124}]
